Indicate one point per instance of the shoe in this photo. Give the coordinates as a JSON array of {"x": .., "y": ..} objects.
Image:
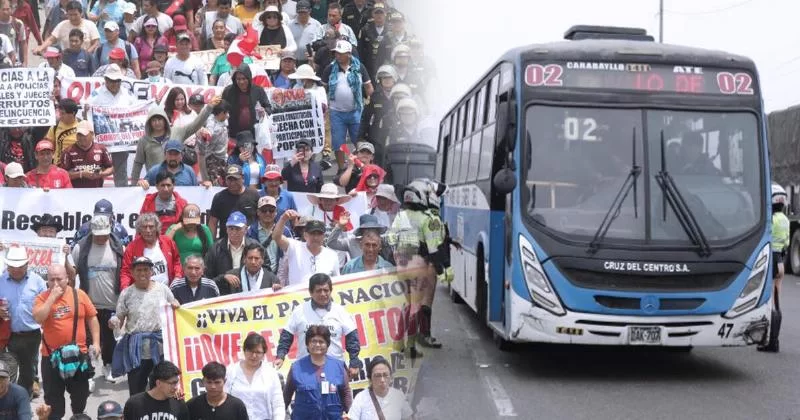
[
  {"x": 108, "y": 375},
  {"x": 36, "y": 391},
  {"x": 414, "y": 353},
  {"x": 91, "y": 386},
  {"x": 325, "y": 164},
  {"x": 430, "y": 342}
]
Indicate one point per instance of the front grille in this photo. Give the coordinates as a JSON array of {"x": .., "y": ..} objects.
[
  {"x": 613, "y": 302},
  {"x": 681, "y": 304},
  {"x": 695, "y": 282},
  {"x": 667, "y": 304}
]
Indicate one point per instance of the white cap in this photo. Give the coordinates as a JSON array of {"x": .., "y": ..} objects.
[
  {"x": 343, "y": 46},
  {"x": 101, "y": 225},
  {"x": 111, "y": 26},
  {"x": 14, "y": 170},
  {"x": 113, "y": 72}
]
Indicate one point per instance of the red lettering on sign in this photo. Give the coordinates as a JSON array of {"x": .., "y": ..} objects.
[
  {"x": 377, "y": 322},
  {"x": 397, "y": 326},
  {"x": 744, "y": 83},
  {"x": 689, "y": 83}
]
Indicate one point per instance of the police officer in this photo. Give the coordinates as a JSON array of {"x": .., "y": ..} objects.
[
  {"x": 374, "y": 45},
  {"x": 356, "y": 14},
  {"x": 374, "y": 126},
  {"x": 780, "y": 241}
]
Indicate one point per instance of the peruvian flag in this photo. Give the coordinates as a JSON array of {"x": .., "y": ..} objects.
[{"x": 243, "y": 46}]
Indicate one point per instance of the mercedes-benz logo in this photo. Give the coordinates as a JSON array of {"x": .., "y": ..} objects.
[{"x": 649, "y": 304}]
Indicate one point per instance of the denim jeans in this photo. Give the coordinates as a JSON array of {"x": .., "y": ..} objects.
[{"x": 343, "y": 123}]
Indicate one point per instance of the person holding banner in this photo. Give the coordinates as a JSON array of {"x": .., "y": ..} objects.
[
  {"x": 159, "y": 249},
  {"x": 105, "y": 208},
  {"x": 256, "y": 383},
  {"x": 194, "y": 287},
  {"x": 46, "y": 174},
  {"x": 254, "y": 273}
]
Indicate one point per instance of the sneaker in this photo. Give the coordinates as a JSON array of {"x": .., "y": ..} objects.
[
  {"x": 325, "y": 164},
  {"x": 91, "y": 385},
  {"x": 36, "y": 391},
  {"x": 109, "y": 377}
]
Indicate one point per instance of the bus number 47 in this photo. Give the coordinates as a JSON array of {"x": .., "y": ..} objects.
[{"x": 725, "y": 330}]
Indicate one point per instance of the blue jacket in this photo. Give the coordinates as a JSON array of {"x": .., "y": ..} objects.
[
  {"x": 126, "y": 353},
  {"x": 183, "y": 178},
  {"x": 233, "y": 159},
  {"x": 284, "y": 202},
  {"x": 309, "y": 402}
]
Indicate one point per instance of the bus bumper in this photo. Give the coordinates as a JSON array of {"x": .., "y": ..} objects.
[{"x": 533, "y": 324}]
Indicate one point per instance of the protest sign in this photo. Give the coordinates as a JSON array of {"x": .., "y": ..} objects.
[
  {"x": 80, "y": 89},
  {"x": 214, "y": 329},
  {"x": 207, "y": 57},
  {"x": 73, "y": 207},
  {"x": 270, "y": 56},
  {"x": 42, "y": 252},
  {"x": 25, "y": 97},
  {"x": 296, "y": 114},
  {"x": 118, "y": 128}
]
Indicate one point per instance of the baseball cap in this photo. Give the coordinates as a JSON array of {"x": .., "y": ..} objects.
[
  {"x": 160, "y": 48},
  {"x": 184, "y": 36},
  {"x": 44, "y": 145},
  {"x": 192, "y": 216},
  {"x": 233, "y": 171},
  {"x": 179, "y": 23},
  {"x": 197, "y": 99},
  {"x": 363, "y": 145},
  {"x": 236, "y": 219},
  {"x": 14, "y": 170},
  {"x": 52, "y": 52},
  {"x": 173, "y": 146},
  {"x": 272, "y": 172},
  {"x": 113, "y": 71},
  {"x": 5, "y": 371},
  {"x": 108, "y": 409},
  {"x": 101, "y": 225},
  {"x": 142, "y": 261},
  {"x": 111, "y": 26},
  {"x": 315, "y": 226},
  {"x": 129, "y": 8},
  {"x": 85, "y": 127},
  {"x": 104, "y": 207},
  {"x": 267, "y": 200},
  {"x": 303, "y": 6},
  {"x": 379, "y": 7},
  {"x": 302, "y": 142},
  {"x": 343, "y": 47}
]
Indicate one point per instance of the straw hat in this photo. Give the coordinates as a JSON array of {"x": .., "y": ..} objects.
[
  {"x": 304, "y": 72},
  {"x": 329, "y": 190}
]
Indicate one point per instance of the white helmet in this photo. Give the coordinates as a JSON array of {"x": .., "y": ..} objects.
[
  {"x": 401, "y": 50},
  {"x": 416, "y": 193},
  {"x": 779, "y": 195},
  {"x": 435, "y": 191},
  {"x": 400, "y": 89},
  {"x": 407, "y": 103},
  {"x": 386, "y": 70}
]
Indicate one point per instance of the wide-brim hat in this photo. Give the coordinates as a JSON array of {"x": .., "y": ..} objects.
[
  {"x": 387, "y": 191},
  {"x": 304, "y": 72},
  {"x": 47, "y": 220},
  {"x": 16, "y": 256},
  {"x": 369, "y": 221},
  {"x": 331, "y": 191}
]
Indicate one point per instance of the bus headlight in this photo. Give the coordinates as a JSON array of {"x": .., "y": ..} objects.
[
  {"x": 751, "y": 293},
  {"x": 542, "y": 292}
]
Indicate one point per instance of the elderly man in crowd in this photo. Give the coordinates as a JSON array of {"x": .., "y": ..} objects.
[
  {"x": 322, "y": 259},
  {"x": 194, "y": 286},
  {"x": 18, "y": 289},
  {"x": 104, "y": 207},
  {"x": 370, "y": 243},
  {"x": 159, "y": 249},
  {"x": 65, "y": 314},
  {"x": 253, "y": 274}
]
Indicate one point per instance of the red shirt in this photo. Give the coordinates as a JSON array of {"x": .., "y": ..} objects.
[
  {"x": 94, "y": 159},
  {"x": 54, "y": 178}
]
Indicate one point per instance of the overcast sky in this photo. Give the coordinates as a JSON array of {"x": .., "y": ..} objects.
[{"x": 466, "y": 36}]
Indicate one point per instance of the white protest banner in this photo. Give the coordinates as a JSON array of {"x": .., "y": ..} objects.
[
  {"x": 119, "y": 129},
  {"x": 296, "y": 114},
  {"x": 73, "y": 207},
  {"x": 356, "y": 206},
  {"x": 80, "y": 89},
  {"x": 25, "y": 97},
  {"x": 270, "y": 56},
  {"x": 42, "y": 252},
  {"x": 207, "y": 57}
]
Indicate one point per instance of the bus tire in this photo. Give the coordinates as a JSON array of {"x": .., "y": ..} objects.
[
  {"x": 794, "y": 253},
  {"x": 482, "y": 293},
  {"x": 501, "y": 343}
]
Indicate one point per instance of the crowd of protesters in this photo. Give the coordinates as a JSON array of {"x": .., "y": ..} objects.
[{"x": 360, "y": 61}]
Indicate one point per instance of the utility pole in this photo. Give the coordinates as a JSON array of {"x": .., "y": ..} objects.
[{"x": 661, "y": 21}]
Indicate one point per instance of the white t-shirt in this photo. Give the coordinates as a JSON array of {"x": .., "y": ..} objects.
[
  {"x": 394, "y": 406},
  {"x": 6, "y": 46},
  {"x": 160, "y": 273},
  {"x": 63, "y": 71},
  {"x": 89, "y": 29},
  {"x": 302, "y": 264},
  {"x": 337, "y": 320},
  {"x": 186, "y": 72},
  {"x": 263, "y": 396}
]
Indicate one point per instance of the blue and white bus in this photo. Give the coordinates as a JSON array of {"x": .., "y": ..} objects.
[{"x": 611, "y": 190}]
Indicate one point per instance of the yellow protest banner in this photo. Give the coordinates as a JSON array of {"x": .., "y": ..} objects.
[{"x": 214, "y": 329}]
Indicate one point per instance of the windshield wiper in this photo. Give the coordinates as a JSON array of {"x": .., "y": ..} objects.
[
  {"x": 682, "y": 211},
  {"x": 616, "y": 205}
]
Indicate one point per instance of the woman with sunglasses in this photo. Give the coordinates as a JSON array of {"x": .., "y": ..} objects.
[{"x": 256, "y": 383}]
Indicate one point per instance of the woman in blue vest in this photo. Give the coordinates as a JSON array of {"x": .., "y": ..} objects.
[{"x": 319, "y": 383}]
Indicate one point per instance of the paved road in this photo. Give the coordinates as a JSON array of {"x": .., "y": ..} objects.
[{"x": 471, "y": 379}]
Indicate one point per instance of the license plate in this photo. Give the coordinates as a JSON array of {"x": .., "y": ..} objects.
[{"x": 644, "y": 335}]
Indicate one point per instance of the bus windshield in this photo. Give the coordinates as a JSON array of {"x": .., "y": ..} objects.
[{"x": 579, "y": 161}]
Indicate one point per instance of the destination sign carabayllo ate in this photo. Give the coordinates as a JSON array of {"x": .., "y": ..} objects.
[{"x": 642, "y": 77}]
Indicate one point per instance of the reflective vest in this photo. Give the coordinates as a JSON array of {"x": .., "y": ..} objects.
[
  {"x": 309, "y": 401},
  {"x": 780, "y": 232}
]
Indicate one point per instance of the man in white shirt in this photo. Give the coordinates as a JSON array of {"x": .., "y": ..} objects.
[
  {"x": 60, "y": 34},
  {"x": 335, "y": 22},
  {"x": 321, "y": 310},
  {"x": 112, "y": 94},
  {"x": 232, "y": 23},
  {"x": 53, "y": 56},
  {"x": 309, "y": 257},
  {"x": 304, "y": 30},
  {"x": 150, "y": 9},
  {"x": 184, "y": 68}
]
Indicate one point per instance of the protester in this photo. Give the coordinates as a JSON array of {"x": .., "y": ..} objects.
[
  {"x": 350, "y": 176},
  {"x": 150, "y": 10},
  {"x": 194, "y": 286},
  {"x": 380, "y": 400},
  {"x": 275, "y": 32},
  {"x": 14, "y": 400},
  {"x": 369, "y": 244},
  {"x": 216, "y": 402},
  {"x": 190, "y": 235},
  {"x": 160, "y": 401},
  {"x": 146, "y": 42},
  {"x": 54, "y": 15},
  {"x": 53, "y": 59},
  {"x": 98, "y": 260},
  {"x": 196, "y": 103},
  {"x": 288, "y": 66},
  {"x": 61, "y": 32},
  {"x": 113, "y": 42},
  {"x": 109, "y": 409},
  {"x": 17, "y": 146},
  {"x": 138, "y": 307},
  {"x": 217, "y": 40},
  {"x": 335, "y": 21},
  {"x": 223, "y": 12},
  {"x": 306, "y": 78},
  {"x": 311, "y": 401},
  {"x": 184, "y": 68},
  {"x": 15, "y": 178},
  {"x": 246, "y": 155},
  {"x": 245, "y": 10},
  {"x": 347, "y": 82},
  {"x": 76, "y": 57},
  {"x": 165, "y": 202},
  {"x": 323, "y": 259},
  {"x": 8, "y": 56},
  {"x": 65, "y": 315},
  {"x": 273, "y": 181},
  {"x": 302, "y": 174},
  {"x": 64, "y": 134},
  {"x": 236, "y": 197},
  {"x": 104, "y": 12},
  {"x": 182, "y": 174},
  {"x": 179, "y": 29},
  {"x": 19, "y": 287},
  {"x": 87, "y": 162},
  {"x": 385, "y": 205},
  {"x": 111, "y": 94},
  {"x": 159, "y": 249},
  {"x": 24, "y": 24},
  {"x": 242, "y": 96},
  {"x": 46, "y": 174},
  {"x": 256, "y": 383},
  {"x": 117, "y": 57},
  {"x": 304, "y": 30},
  {"x": 371, "y": 177},
  {"x": 200, "y": 16},
  {"x": 221, "y": 70},
  {"x": 261, "y": 231},
  {"x": 228, "y": 253},
  {"x": 128, "y": 19},
  {"x": 254, "y": 273},
  {"x": 327, "y": 206},
  {"x": 212, "y": 147},
  {"x": 105, "y": 208},
  {"x": 154, "y": 72}
]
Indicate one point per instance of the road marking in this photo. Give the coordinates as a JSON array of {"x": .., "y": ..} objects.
[{"x": 497, "y": 393}]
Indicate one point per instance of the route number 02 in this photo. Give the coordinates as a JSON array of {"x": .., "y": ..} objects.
[
  {"x": 735, "y": 83},
  {"x": 580, "y": 129}
]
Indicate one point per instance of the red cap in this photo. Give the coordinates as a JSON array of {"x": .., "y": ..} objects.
[
  {"x": 179, "y": 23},
  {"x": 44, "y": 145},
  {"x": 117, "y": 54}
]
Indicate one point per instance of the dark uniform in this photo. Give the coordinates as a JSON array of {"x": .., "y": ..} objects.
[
  {"x": 354, "y": 18},
  {"x": 374, "y": 126},
  {"x": 374, "y": 49}
]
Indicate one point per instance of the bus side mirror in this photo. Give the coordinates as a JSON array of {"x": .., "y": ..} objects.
[
  {"x": 505, "y": 120},
  {"x": 504, "y": 181}
]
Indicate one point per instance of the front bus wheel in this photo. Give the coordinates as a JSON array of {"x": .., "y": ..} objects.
[{"x": 794, "y": 253}]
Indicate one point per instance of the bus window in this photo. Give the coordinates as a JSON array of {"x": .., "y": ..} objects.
[
  {"x": 491, "y": 99},
  {"x": 468, "y": 116},
  {"x": 459, "y": 133},
  {"x": 487, "y": 152},
  {"x": 463, "y": 174},
  {"x": 452, "y": 163},
  {"x": 474, "y": 156},
  {"x": 480, "y": 111}
]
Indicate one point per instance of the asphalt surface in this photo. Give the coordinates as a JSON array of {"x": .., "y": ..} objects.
[{"x": 471, "y": 379}]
